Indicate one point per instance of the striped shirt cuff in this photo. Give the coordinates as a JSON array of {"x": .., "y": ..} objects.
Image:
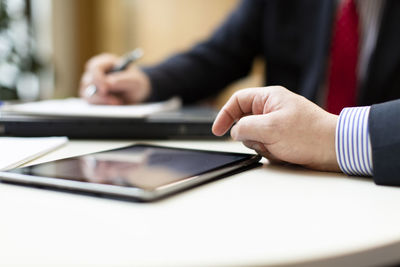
[{"x": 353, "y": 144}]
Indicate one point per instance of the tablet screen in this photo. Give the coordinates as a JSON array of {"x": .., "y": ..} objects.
[{"x": 141, "y": 166}]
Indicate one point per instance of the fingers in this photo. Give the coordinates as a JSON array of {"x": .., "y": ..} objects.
[
  {"x": 262, "y": 150},
  {"x": 103, "y": 62},
  {"x": 124, "y": 87},
  {"x": 257, "y": 146},
  {"x": 99, "y": 99},
  {"x": 95, "y": 73},
  {"x": 259, "y": 128},
  {"x": 119, "y": 81},
  {"x": 133, "y": 85},
  {"x": 243, "y": 102}
]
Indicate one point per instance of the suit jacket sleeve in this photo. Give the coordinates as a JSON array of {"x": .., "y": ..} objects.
[
  {"x": 384, "y": 127},
  {"x": 211, "y": 65}
]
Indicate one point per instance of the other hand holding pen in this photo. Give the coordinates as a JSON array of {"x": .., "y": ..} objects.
[{"x": 100, "y": 84}]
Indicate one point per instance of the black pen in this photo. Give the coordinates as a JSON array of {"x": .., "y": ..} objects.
[{"x": 127, "y": 59}]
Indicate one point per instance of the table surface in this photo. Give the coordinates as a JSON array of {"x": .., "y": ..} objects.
[{"x": 271, "y": 215}]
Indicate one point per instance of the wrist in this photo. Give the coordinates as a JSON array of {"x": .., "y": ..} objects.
[
  {"x": 325, "y": 159},
  {"x": 330, "y": 157}
]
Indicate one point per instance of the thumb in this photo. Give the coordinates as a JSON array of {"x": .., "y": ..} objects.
[
  {"x": 120, "y": 81},
  {"x": 255, "y": 128}
]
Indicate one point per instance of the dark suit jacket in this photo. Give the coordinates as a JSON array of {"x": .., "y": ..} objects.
[
  {"x": 384, "y": 127},
  {"x": 293, "y": 37}
]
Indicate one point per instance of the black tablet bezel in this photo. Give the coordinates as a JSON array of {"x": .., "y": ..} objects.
[{"x": 135, "y": 193}]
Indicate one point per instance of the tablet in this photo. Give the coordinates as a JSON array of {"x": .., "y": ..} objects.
[{"x": 142, "y": 172}]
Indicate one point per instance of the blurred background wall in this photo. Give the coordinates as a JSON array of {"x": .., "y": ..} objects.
[{"x": 69, "y": 32}]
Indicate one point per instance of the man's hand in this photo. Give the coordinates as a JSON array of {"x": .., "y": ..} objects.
[
  {"x": 125, "y": 87},
  {"x": 281, "y": 126}
]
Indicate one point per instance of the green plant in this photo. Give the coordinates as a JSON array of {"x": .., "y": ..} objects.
[{"x": 17, "y": 57}]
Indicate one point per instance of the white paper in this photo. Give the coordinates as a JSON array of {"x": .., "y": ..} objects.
[
  {"x": 15, "y": 151},
  {"x": 77, "y": 107}
]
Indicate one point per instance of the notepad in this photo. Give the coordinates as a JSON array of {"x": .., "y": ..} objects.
[
  {"x": 76, "y": 107},
  {"x": 15, "y": 151}
]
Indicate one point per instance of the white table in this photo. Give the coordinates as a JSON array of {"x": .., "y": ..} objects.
[{"x": 272, "y": 215}]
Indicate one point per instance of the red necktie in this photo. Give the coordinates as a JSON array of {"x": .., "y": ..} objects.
[{"x": 342, "y": 79}]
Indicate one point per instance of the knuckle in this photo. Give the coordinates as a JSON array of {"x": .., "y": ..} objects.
[
  {"x": 105, "y": 55},
  {"x": 277, "y": 89},
  {"x": 237, "y": 93},
  {"x": 102, "y": 58}
]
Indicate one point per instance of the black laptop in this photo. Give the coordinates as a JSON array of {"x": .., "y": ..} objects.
[{"x": 184, "y": 123}]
